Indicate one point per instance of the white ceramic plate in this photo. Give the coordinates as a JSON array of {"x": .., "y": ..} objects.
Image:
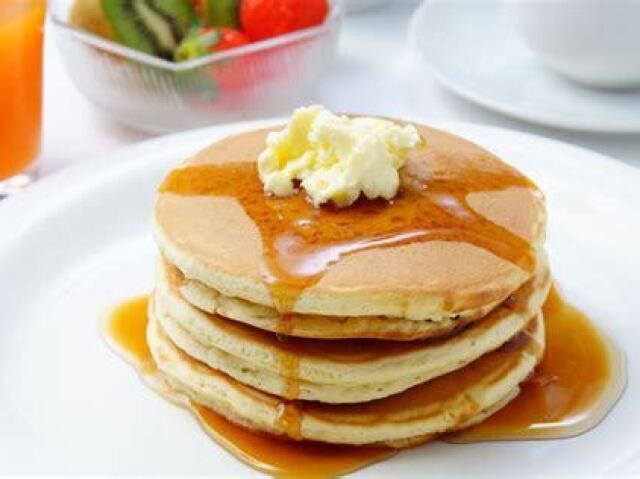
[
  {"x": 78, "y": 243},
  {"x": 472, "y": 49}
]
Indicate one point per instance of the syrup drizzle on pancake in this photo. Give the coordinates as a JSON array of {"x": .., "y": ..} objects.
[
  {"x": 290, "y": 365},
  {"x": 580, "y": 378},
  {"x": 300, "y": 242}
]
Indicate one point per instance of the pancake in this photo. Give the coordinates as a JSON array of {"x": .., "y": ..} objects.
[
  {"x": 337, "y": 371},
  {"x": 447, "y": 403},
  {"x": 317, "y": 326},
  {"x": 221, "y": 237}
]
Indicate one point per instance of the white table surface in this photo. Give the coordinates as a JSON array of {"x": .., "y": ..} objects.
[{"x": 375, "y": 71}]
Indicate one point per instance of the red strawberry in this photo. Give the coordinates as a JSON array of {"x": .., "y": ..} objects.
[
  {"x": 262, "y": 19},
  {"x": 230, "y": 38},
  {"x": 201, "y": 41}
]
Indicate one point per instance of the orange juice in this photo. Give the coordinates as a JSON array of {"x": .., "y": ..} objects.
[{"x": 21, "y": 24}]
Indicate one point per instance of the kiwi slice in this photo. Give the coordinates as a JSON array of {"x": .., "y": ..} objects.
[
  {"x": 150, "y": 26},
  {"x": 223, "y": 13},
  {"x": 179, "y": 12},
  {"x": 128, "y": 27}
]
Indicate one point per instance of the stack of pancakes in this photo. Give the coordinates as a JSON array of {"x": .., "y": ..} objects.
[{"x": 390, "y": 344}]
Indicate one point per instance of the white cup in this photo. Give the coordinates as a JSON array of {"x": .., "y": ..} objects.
[{"x": 594, "y": 42}]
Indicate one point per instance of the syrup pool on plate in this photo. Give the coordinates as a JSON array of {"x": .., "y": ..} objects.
[
  {"x": 579, "y": 379},
  {"x": 125, "y": 331}
]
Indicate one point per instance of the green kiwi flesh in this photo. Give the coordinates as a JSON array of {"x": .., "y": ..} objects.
[
  {"x": 179, "y": 12},
  {"x": 223, "y": 13},
  {"x": 155, "y": 27}
]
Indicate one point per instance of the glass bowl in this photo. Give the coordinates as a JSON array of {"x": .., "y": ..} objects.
[{"x": 145, "y": 92}]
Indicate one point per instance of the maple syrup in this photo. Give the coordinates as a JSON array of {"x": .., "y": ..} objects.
[
  {"x": 125, "y": 330},
  {"x": 287, "y": 459},
  {"x": 578, "y": 380},
  {"x": 300, "y": 241}
]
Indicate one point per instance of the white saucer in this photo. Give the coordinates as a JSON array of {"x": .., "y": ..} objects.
[
  {"x": 472, "y": 49},
  {"x": 78, "y": 243}
]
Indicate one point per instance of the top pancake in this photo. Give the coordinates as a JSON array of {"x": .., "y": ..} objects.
[{"x": 218, "y": 239}]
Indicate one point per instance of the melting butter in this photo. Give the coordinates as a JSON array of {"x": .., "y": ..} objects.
[{"x": 336, "y": 158}]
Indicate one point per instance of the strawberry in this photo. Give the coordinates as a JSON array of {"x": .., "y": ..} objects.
[
  {"x": 201, "y": 41},
  {"x": 227, "y": 74},
  {"x": 230, "y": 38},
  {"x": 262, "y": 19}
]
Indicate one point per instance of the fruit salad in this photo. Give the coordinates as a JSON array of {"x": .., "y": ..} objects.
[{"x": 182, "y": 30}]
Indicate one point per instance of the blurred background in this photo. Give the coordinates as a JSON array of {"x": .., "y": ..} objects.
[{"x": 567, "y": 69}]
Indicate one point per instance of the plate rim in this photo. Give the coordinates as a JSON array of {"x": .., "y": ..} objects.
[{"x": 490, "y": 103}]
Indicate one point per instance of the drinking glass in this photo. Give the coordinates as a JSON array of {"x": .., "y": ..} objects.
[{"x": 21, "y": 32}]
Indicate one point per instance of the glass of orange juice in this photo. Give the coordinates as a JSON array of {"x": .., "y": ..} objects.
[{"x": 21, "y": 28}]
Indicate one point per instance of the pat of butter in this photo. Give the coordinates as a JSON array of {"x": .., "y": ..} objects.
[{"x": 336, "y": 158}]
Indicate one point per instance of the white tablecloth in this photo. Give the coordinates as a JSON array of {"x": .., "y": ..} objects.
[{"x": 374, "y": 71}]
